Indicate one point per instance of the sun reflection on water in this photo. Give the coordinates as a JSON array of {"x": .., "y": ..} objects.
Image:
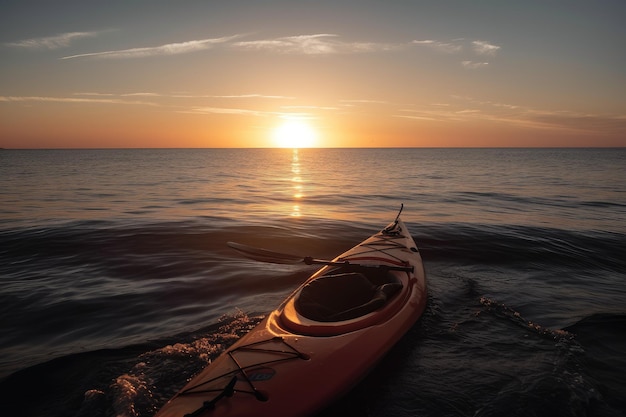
[{"x": 296, "y": 181}]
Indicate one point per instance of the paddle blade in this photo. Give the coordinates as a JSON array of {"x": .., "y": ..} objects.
[{"x": 264, "y": 255}]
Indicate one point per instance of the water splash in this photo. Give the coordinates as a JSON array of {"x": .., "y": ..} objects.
[
  {"x": 501, "y": 310},
  {"x": 158, "y": 374}
]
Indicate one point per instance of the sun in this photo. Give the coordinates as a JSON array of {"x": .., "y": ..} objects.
[{"x": 294, "y": 133}]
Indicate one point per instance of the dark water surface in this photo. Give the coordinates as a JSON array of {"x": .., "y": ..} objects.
[{"x": 117, "y": 284}]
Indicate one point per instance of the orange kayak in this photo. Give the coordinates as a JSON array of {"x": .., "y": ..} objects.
[{"x": 321, "y": 341}]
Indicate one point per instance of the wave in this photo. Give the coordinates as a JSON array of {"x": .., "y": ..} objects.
[
  {"x": 112, "y": 283},
  {"x": 512, "y": 244},
  {"x": 97, "y": 240}
]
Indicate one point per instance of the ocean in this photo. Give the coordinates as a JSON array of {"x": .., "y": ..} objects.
[{"x": 117, "y": 284}]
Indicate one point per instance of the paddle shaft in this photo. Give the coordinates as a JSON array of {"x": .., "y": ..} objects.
[
  {"x": 265, "y": 255},
  {"x": 311, "y": 261}
]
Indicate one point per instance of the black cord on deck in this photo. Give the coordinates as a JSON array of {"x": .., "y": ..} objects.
[{"x": 228, "y": 391}]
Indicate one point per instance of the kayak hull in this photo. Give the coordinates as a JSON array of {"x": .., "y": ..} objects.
[{"x": 291, "y": 365}]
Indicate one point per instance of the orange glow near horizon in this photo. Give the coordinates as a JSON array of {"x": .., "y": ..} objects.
[{"x": 45, "y": 125}]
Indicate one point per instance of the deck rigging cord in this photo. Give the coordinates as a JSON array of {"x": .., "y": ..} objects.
[{"x": 287, "y": 353}]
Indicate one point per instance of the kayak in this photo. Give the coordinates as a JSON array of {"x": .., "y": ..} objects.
[{"x": 321, "y": 341}]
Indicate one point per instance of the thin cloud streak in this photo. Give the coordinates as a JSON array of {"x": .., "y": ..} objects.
[
  {"x": 185, "y": 96},
  {"x": 89, "y": 93},
  {"x": 255, "y": 96},
  {"x": 70, "y": 100},
  {"x": 478, "y": 47},
  {"x": 317, "y": 44},
  {"x": 222, "y": 110},
  {"x": 302, "y": 107},
  {"x": 474, "y": 65},
  {"x": 446, "y": 47},
  {"x": 592, "y": 123},
  {"x": 484, "y": 48},
  {"x": 247, "y": 112},
  {"x": 525, "y": 117},
  {"x": 314, "y": 44},
  {"x": 363, "y": 101},
  {"x": 52, "y": 42},
  {"x": 457, "y": 46},
  {"x": 167, "y": 49}
]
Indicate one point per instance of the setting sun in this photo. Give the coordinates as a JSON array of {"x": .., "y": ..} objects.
[{"x": 294, "y": 133}]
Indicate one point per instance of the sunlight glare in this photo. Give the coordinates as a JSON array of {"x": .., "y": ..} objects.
[{"x": 294, "y": 133}]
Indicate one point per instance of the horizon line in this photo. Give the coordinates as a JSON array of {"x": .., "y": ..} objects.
[{"x": 313, "y": 147}]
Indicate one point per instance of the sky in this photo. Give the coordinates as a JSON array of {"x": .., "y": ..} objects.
[{"x": 203, "y": 74}]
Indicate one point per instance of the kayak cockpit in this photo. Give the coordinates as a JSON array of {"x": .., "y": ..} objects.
[
  {"x": 346, "y": 296},
  {"x": 341, "y": 301}
]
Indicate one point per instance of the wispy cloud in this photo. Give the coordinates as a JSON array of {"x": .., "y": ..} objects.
[
  {"x": 478, "y": 47},
  {"x": 167, "y": 49},
  {"x": 484, "y": 48},
  {"x": 263, "y": 96},
  {"x": 62, "y": 40},
  {"x": 141, "y": 94},
  {"x": 223, "y": 110},
  {"x": 317, "y": 44},
  {"x": 576, "y": 122},
  {"x": 314, "y": 44},
  {"x": 473, "y": 64},
  {"x": 185, "y": 95},
  {"x": 249, "y": 112},
  {"x": 487, "y": 111},
  {"x": 439, "y": 114},
  {"x": 362, "y": 101},
  {"x": 43, "y": 99},
  {"x": 303, "y": 107},
  {"x": 461, "y": 45},
  {"x": 446, "y": 47},
  {"x": 94, "y": 94}
]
